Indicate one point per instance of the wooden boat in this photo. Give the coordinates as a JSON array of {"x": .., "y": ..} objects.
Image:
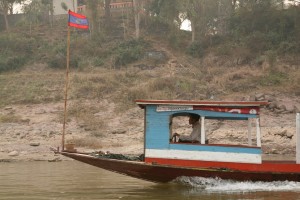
[{"x": 165, "y": 159}]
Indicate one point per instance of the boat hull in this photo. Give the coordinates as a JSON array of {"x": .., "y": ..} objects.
[{"x": 166, "y": 173}]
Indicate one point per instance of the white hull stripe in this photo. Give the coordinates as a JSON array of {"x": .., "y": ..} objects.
[{"x": 203, "y": 156}]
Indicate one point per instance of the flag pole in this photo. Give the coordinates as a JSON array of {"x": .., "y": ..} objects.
[{"x": 66, "y": 89}]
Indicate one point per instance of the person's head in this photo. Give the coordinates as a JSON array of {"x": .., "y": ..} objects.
[{"x": 193, "y": 118}]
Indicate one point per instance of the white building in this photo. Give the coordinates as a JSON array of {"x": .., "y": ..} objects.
[{"x": 58, "y": 9}]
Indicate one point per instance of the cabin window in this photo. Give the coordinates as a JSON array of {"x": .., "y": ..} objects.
[
  {"x": 180, "y": 125},
  {"x": 218, "y": 131},
  {"x": 185, "y": 128},
  {"x": 232, "y": 132}
]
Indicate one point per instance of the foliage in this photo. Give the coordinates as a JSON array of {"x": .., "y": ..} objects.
[
  {"x": 35, "y": 11},
  {"x": 263, "y": 26},
  {"x": 64, "y": 6},
  {"x": 196, "y": 49},
  {"x": 273, "y": 78},
  {"x": 15, "y": 51},
  {"x": 12, "y": 63},
  {"x": 129, "y": 51}
]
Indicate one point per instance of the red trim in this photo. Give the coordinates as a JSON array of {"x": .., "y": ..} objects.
[
  {"x": 270, "y": 166},
  {"x": 142, "y": 103},
  {"x": 243, "y": 110},
  {"x": 78, "y": 26},
  {"x": 77, "y": 15}
]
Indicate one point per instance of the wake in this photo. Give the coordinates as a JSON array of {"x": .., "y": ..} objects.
[{"x": 229, "y": 186}]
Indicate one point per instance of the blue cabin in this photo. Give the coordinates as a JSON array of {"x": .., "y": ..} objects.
[{"x": 161, "y": 149}]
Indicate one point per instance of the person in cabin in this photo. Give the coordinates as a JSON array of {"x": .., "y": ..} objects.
[{"x": 195, "y": 135}]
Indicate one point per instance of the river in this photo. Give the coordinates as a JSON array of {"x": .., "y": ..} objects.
[{"x": 71, "y": 180}]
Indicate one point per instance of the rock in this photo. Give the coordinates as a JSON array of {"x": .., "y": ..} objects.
[
  {"x": 270, "y": 98},
  {"x": 282, "y": 107},
  {"x": 289, "y": 135},
  {"x": 50, "y": 134},
  {"x": 278, "y": 111},
  {"x": 41, "y": 111},
  {"x": 57, "y": 159},
  {"x": 13, "y": 153},
  {"x": 252, "y": 98},
  {"x": 260, "y": 97},
  {"x": 274, "y": 151},
  {"x": 296, "y": 109},
  {"x": 120, "y": 131},
  {"x": 290, "y": 109},
  {"x": 25, "y": 120},
  {"x": 285, "y": 134},
  {"x": 5, "y": 160},
  {"x": 34, "y": 144},
  {"x": 273, "y": 105},
  {"x": 282, "y": 133}
]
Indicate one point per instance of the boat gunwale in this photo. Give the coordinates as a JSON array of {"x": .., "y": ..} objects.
[{"x": 221, "y": 145}]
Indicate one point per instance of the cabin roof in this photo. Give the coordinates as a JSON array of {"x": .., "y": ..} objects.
[{"x": 142, "y": 103}]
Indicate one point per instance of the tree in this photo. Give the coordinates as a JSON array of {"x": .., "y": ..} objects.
[
  {"x": 49, "y": 4},
  {"x": 6, "y": 9},
  {"x": 203, "y": 15},
  {"x": 93, "y": 6},
  {"x": 168, "y": 14},
  {"x": 137, "y": 17},
  {"x": 107, "y": 13}
]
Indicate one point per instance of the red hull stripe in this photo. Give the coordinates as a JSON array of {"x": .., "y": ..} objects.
[{"x": 276, "y": 167}]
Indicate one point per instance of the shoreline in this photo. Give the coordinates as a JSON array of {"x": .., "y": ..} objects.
[{"x": 37, "y": 129}]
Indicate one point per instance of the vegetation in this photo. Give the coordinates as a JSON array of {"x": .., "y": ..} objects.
[{"x": 233, "y": 47}]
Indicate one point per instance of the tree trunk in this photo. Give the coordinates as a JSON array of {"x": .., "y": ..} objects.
[
  {"x": 93, "y": 5},
  {"x": 52, "y": 13},
  {"x": 193, "y": 30},
  {"x": 4, "y": 8},
  {"x": 136, "y": 7},
  {"x": 107, "y": 14},
  {"x": 6, "y": 22},
  {"x": 233, "y": 4}
]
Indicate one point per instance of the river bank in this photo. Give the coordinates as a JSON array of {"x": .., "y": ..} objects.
[{"x": 37, "y": 128}]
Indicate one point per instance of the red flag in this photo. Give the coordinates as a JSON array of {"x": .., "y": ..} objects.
[{"x": 77, "y": 20}]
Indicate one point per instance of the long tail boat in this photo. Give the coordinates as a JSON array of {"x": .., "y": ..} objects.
[{"x": 165, "y": 159}]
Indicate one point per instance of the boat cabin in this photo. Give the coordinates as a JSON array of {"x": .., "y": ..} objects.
[{"x": 161, "y": 149}]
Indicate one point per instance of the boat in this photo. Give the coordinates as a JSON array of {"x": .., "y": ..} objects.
[{"x": 165, "y": 159}]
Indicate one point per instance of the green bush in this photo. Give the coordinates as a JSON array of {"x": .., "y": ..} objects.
[
  {"x": 224, "y": 49},
  {"x": 12, "y": 63},
  {"x": 57, "y": 62},
  {"x": 129, "y": 52},
  {"x": 287, "y": 47},
  {"x": 97, "y": 62},
  {"x": 15, "y": 51},
  {"x": 196, "y": 50},
  {"x": 257, "y": 42},
  {"x": 60, "y": 62},
  {"x": 274, "y": 78}
]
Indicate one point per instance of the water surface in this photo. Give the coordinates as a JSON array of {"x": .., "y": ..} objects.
[{"x": 75, "y": 180}]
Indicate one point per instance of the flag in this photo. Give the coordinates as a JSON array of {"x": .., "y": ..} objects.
[{"x": 78, "y": 21}]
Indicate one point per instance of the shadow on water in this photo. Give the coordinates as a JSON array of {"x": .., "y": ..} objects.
[{"x": 74, "y": 180}]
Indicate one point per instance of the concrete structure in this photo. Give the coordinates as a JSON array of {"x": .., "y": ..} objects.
[{"x": 57, "y": 6}]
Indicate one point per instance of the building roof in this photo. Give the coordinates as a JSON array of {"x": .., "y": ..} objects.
[{"x": 142, "y": 103}]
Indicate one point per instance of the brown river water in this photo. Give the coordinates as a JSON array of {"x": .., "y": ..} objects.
[{"x": 71, "y": 180}]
